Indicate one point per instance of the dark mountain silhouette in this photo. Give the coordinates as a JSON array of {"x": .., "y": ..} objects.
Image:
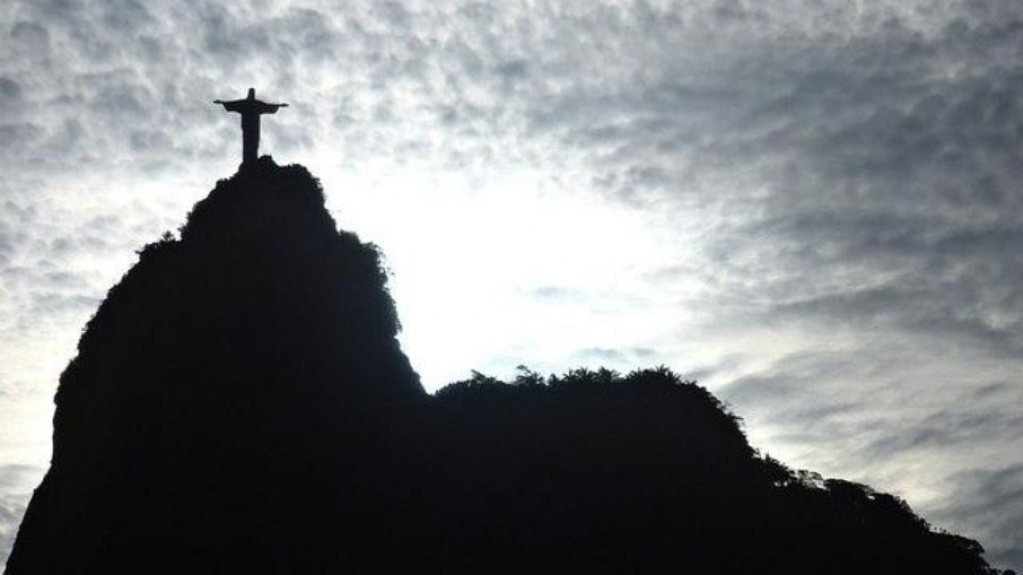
[{"x": 239, "y": 404}]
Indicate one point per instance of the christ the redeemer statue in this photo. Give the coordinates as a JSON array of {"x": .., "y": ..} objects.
[{"x": 250, "y": 108}]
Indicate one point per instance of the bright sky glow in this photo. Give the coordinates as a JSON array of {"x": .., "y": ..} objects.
[{"x": 812, "y": 207}]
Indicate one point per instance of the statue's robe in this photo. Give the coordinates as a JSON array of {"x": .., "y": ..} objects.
[{"x": 250, "y": 109}]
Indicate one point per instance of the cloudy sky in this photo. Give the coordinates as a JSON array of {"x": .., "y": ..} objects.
[{"x": 810, "y": 206}]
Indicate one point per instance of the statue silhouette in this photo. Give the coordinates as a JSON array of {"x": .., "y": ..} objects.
[{"x": 250, "y": 108}]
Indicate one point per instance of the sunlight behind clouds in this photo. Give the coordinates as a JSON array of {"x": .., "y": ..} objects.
[
  {"x": 549, "y": 266},
  {"x": 811, "y": 206}
]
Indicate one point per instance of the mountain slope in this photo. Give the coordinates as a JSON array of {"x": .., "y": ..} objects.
[
  {"x": 240, "y": 404},
  {"x": 224, "y": 391}
]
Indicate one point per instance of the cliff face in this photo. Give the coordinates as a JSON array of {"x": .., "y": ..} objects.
[
  {"x": 239, "y": 404},
  {"x": 226, "y": 380}
]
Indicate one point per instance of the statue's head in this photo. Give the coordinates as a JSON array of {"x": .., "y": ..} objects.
[{"x": 252, "y": 93}]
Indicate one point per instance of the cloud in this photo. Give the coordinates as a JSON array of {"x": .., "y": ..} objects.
[
  {"x": 616, "y": 358},
  {"x": 16, "y": 482},
  {"x": 988, "y": 501},
  {"x": 554, "y": 293},
  {"x": 12, "y": 508},
  {"x": 832, "y": 186}
]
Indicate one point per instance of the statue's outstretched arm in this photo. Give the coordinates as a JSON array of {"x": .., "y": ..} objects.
[
  {"x": 270, "y": 108},
  {"x": 232, "y": 106}
]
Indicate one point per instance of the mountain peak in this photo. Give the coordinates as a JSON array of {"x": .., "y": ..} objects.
[
  {"x": 262, "y": 200},
  {"x": 240, "y": 404},
  {"x": 225, "y": 365}
]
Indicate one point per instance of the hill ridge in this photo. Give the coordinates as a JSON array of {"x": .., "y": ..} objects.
[{"x": 240, "y": 403}]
